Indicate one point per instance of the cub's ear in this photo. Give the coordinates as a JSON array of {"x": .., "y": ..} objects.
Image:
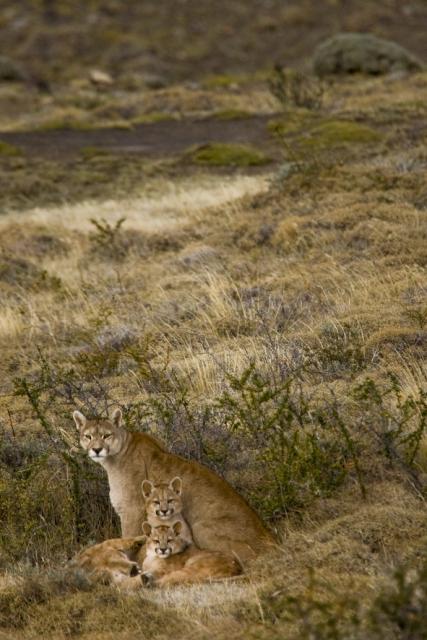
[
  {"x": 79, "y": 419},
  {"x": 146, "y": 528},
  {"x": 147, "y": 488},
  {"x": 116, "y": 418},
  {"x": 176, "y": 485},
  {"x": 177, "y": 528}
]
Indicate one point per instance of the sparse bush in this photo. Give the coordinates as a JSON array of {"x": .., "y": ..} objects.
[
  {"x": 113, "y": 242},
  {"x": 108, "y": 238},
  {"x": 320, "y": 612},
  {"x": 295, "y": 89},
  {"x": 400, "y": 610},
  {"x": 52, "y": 499},
  {"x": 418, "y": 315},
  {"x": 51, "y": 503},
  {"x": 279, "y": 446},
  {"x": 297, "y": 452},
  {"x": 398, "y": 422}
]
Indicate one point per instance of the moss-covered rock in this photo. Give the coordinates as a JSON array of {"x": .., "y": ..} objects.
[
  {"x": 292, "y": 122},
  {"x": 221, "y": 154},
  {"x": 231, "y": 114},
  {"x": 338, "y": 132},
  {"x": 7, "y": 149},
  {"x": 153, "y": 117},
  {"x": 362, "y": 53}
]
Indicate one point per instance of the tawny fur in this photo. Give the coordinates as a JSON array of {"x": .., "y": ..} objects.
[
  {"x": 170, "y": 560},
  {"x": 116, "y": 561},
  {"x": 163, "y": 505},
  {"x": 219, "y": 518}
]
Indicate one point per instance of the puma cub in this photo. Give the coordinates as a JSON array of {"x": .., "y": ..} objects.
[
  {"x": 170, "y": 559},
  {"x": 115, "y": 561},
  {"x": 163, "y": 505}
]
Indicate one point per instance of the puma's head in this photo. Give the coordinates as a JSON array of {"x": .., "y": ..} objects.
[
  {"x": 162, "y": 500},
  {"x": 164, "y": 541},
  {"x": 100, "y": 438}
]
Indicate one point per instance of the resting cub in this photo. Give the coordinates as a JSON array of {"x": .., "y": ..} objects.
[
  {"x": 115, "y": 561},
  {"x": 163, "y": 506},
  {"x": 170, "y": 559}
]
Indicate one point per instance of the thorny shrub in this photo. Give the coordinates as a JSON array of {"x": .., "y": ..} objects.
[{"x": 279, "y": 446}]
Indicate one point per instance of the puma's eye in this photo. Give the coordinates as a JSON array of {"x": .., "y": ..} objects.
[
  {"x": 156, "y": 540},
  {"x": 88, "y": 436},
  {"x": 156, "y": 502},
  {"x": 171, "y": 500},
  {"x": 106, "y": 436}
]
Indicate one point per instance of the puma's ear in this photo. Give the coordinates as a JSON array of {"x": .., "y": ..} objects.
[
  {"x": 176, "y": 485},
  {"x": 79, "y": 419},
  {"x": 146, "y": 528},
  {"x": 147, "y": 488},
  {"x": 177, "y": 528},
  {"x": 116, "y": 418}
]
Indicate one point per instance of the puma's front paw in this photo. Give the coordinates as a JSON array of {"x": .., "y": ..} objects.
[{"x": 147, "y": 579}]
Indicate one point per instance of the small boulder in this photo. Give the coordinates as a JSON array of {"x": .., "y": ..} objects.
[
  {"x": 362, "y": 53},
  {"x": 100, "y": 78}
]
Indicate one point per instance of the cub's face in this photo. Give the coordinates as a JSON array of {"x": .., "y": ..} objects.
[
  {"x": 115, "y": 559},
  {"x": 163, "y": 541},
  {"x": 162, "y": 501},
  {"x": 100, "y": 438}
]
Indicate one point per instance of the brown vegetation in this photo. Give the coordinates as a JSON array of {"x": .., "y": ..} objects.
[{"x": 269, "y": 322}]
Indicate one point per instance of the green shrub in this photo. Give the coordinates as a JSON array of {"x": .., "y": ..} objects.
[
  {"x": 279, "y": 446},
  {"x": 51, "y": 504},
  {"x": 397, "y": 421}
]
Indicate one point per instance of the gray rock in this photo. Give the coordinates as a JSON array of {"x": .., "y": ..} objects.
[
  {"x": 10, "y": 70},
  {"x": 362, "y": 53},
  {"x": 100, "y": 78}
]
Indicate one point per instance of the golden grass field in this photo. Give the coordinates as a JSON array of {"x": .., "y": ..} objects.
[{"x": 268, "y": 320}]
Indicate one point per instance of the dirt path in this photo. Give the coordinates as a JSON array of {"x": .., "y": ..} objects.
[{"x": 153, "y": 140}]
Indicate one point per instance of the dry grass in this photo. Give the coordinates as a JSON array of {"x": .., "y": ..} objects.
[{"x": 320, "y": 276}]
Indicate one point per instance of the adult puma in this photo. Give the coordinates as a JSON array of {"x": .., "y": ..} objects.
[
  {"x": 171, "y": 559},
  {"x": 219, "y": 518}
]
